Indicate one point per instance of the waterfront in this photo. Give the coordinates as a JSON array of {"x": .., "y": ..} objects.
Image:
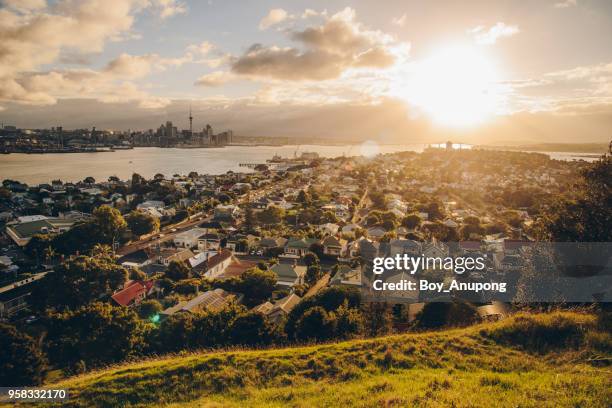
[{"x": 147, "y": 161}]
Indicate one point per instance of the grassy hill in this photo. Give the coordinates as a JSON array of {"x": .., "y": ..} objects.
[{"x": 557, "y": 359}]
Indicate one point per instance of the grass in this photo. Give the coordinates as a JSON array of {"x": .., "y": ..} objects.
[{"x": 557, "y": 359}]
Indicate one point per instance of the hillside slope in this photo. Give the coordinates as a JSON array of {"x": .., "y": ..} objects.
[{"x": 557, "y": 359}]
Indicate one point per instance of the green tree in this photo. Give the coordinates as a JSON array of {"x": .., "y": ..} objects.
[
  {"x": 257, "y": 285},
  {"x": 303, "y": 197},
  {"x": 311, "y": 259},
  {"x": 251, "y": 329},
  {"x": 109, "y": 224},
  {"x": 316, "y": 324},
  {"x": 441, "y": 314},
  {"x": 249, "y": 219},
  {"x": 271, "y": 215},
  {"x": 22, "y": 362},
  {"x": 149, "y": 308},
  {"x": 584, "y": 215},
  {"x": 142, "y": 223},
  {"x": 349, "y": 322},
  {"x": 94, "y": 335},
  {"x": 377, "y": 317},
  {"x": 313, "y": 274},
  {"x": 178, "y": 271},
  {"x": 78, "y": 282}
]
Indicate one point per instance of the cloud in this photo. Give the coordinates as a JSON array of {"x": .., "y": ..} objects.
[
  {"x": 71, "y": 31},
  {"x": 274, "y": 16},
  {"x": 490, "y": 36},
  {"x": 169, "y": 8},
  {"x": 215, "y": 78},
  {"x": 399, "y": 21},
  {"x": 327, "y": 52},
  {"x": 204, "y": 48},
  {"x": 566, "y": 3},
  {"x": 309, "y": 13},
  {"x": 25, "y": 6}
]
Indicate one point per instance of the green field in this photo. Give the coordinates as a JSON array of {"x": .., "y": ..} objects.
[{"x": 560, "y": 359}]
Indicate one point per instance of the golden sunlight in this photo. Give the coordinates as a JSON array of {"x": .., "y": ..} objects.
[{"x": 455, "y": 86}]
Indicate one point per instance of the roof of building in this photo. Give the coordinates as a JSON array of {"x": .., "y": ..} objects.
[
  {"x": 212, "y": 300},
  {"x": 131, "y": 291},
  {"x": 287, "y": 272},
  {"x": 29, "y": 228}
]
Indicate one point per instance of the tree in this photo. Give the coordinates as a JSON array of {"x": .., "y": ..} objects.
[
  {"x": 78, "y": 282},
  {"x": 177, "y": 271},
  {"x": 249, "y": 219},
  {"x": 5, "y": 194},
  {"x": 251, "y": 329},
  {"x": 585, "y": 215},
  {"x": 109, "y": 224},
  {"x": 316, "y": 324},
  {"x": 149, "y": 308},
  {"x": 303, "y": 197},
  {"x": 435, "y": 211},
  {"x": 379, "y": 200},
  {"x": 313, "y": 274},
  {"x": 142, "y": 223},
  {"x": 378, "y": 319},
  {"x": 137, "y": 275},
  {"x": 22, "y": 362},
  {"x": 94, "y": 335},
  {"x": 441, "y": 314},
  {"x": 311, "y": 259},
  {"x": 349, "y": 322},
  {"x": 89, "y": 180},
  {"x": 271, "y": 215},
  {"x": 256, "y": 284}
]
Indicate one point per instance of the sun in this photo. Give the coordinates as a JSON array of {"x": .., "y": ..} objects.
[{"x": 456, "y": 86}]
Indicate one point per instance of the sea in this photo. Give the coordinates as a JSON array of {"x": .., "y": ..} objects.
[{"x": 148, "y": 161}]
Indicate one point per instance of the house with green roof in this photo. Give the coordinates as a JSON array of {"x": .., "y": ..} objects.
[
  {"x": 298, "y": 247},
  {"x": 287, "y": 275},
  {"x": 22, "y": 232}
]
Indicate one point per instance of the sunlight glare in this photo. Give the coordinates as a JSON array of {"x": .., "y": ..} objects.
[{"x": 456, "y": 86}]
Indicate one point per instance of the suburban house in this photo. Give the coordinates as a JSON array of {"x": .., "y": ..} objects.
[
  {"x": 346, "y": 276},
  {"x": 167, "y": 255},
  {"x": 212, "y": 300},
  {"x": 189, "y": 238},
  {"x": 288, "y": 275},
  {"x": 271, "y": 243},
  {"x": 225, "y": 213},
  {"x": 282, "y": 307},
  {"x": 376, "y": 232},
  {"x": 328, "y": 228},
  {"x": 26, "y": 227},
  {"x": 14, "y": 297},
  {"x": 215, "y": 264},
  {"x": 276, "y": 312},
  {"x": 209, "y": 241},
  {"x": 298, "y": 247},
  {"x": 333, "y": 246},
  {"x": 133, "y": 293},
  {"x": 137, "y": 259}
]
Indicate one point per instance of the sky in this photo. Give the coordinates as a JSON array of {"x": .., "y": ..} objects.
[{"x": 491, "y": 71}]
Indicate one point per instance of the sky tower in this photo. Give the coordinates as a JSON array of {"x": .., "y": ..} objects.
[{"x": 190, "y": 123}]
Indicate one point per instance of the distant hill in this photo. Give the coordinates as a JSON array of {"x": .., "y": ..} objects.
[
  {"x": 597, "y": 148},
  {"x": 559, "y": 359}
]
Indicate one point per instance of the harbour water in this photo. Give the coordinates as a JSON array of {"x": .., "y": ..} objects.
[{"x": 148, "y": 161}]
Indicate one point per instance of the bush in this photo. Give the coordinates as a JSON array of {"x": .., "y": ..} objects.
[
  {"x": 443, "y": 314},
  {"x": 22, "y": 363},
  {"x": 542, "y": 333}
]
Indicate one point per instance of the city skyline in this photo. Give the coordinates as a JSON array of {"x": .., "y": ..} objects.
[{"x": 482, "y": 72}]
